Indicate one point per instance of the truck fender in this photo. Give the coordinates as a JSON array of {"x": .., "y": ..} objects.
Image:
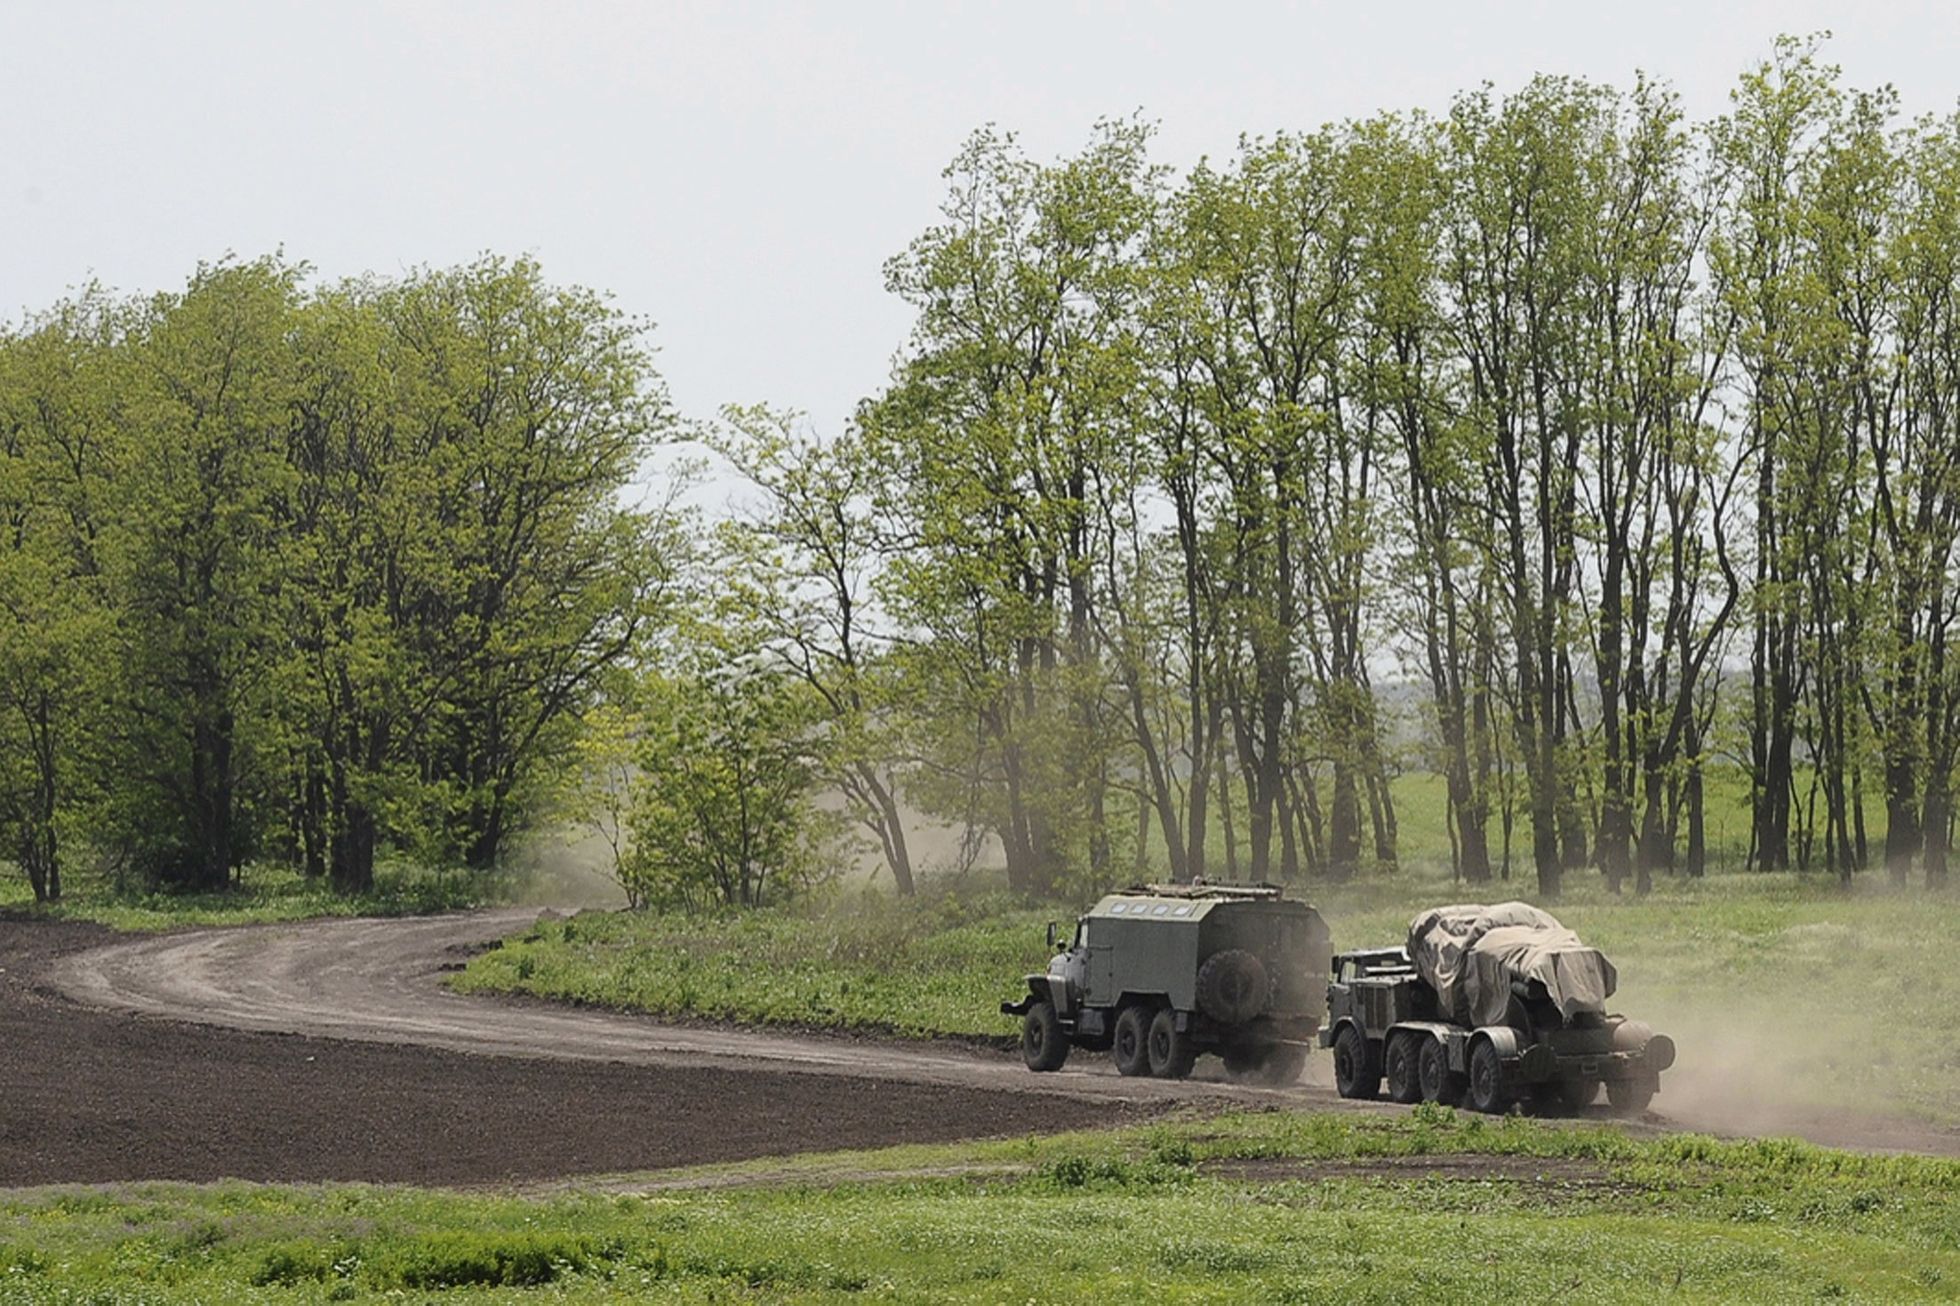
[
  {"x": 1533, "y": 1061},
  {"x": 1037, "y": 992}
]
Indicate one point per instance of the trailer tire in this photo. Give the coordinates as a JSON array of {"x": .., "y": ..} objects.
[
  {"x": 1403, "y": 1068},
  {"x": 1131, "y": 1045},
  {"x": 1629, "y": 1097},
  {"x": 1356, "y": 1074},
  {"x": 1233, "y": 986},
  {"x": 1043, "y": 1045}
]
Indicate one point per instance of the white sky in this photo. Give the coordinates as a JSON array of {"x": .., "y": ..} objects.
[{"x": 736, "y": 172}]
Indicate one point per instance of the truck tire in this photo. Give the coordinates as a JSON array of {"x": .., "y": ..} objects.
[
  {"x": 1629, "y": 1097},
  {"x": 1403, "y": 1067},
  {"x": 1440, "y": 1084},
  {"x": 1282, "y": 1065},
  {"x": 1486, "y": 1090},
  {"x": 1356, "y": 1073},
  {"x": 1233, "y": 986},
  {"x": 1131, "y": 1045},
  {"x": 1043, "y": 1045},
  {"x": 1172, "y": 1053}
]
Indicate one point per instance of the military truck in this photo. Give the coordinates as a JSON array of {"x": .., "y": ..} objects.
[
  {"x": 1488, "y": 1005},
  {"x": 1159, "y": 975}
]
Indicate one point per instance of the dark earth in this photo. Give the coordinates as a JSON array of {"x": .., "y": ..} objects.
[{"x": 88, "y": 1097}]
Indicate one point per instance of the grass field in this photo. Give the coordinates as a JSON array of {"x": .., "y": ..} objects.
[{"x": 1269, "y": 1207}]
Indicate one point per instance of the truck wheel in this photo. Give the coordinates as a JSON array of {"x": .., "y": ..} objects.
[
  {"x": 1131, "y": 1046},
  {"x": 1440, "y": 1084},
  {"x": 1404, "y": 1070},
  {"x": 1629, "y": 1097},
  {"x": 1172, "y": 1053},
  {"x": 1243, "y": 1062},
  {"x": 1282, "y": 1065},
  {"x": 1355, "y": 1071},
  {"x": 1043, "y": 1045},
  {"x": 1487, "y": 1079},
  {"x": 1233, "y": 986}
]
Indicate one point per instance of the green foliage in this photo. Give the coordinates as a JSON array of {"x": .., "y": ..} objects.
[
  {"x": 719, "y": 806},
  {"x": 267, "y": 892},
  {"x": 309, "y": 572},
  {"x": 1269, "y": 1206}
]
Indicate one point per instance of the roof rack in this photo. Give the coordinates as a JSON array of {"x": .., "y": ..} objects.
[{"x": 1250, "y": 891}]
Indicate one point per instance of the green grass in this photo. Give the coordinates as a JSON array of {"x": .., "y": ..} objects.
[
  {"x": 268, "y": 893},
  {"x": 1779, "y": 985},
  {"x": 937, "y": 966},
  {"x": 1170, "y": 1211}
]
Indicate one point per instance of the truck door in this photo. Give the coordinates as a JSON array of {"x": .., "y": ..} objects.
[{"x": 1100, "y": 990}]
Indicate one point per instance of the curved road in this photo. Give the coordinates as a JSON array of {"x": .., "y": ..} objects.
[{"x": 379, "y": 981}]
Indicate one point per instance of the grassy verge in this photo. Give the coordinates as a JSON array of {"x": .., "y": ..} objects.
[
  {"x": 1268, "y": 1207},
  {"x": 934, "y": 967},
  {"x": 267, "y": 893},
  {"x": 1785, "y": 983}
]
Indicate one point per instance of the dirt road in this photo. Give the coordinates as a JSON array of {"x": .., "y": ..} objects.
[{"x": 380, "y": 981}]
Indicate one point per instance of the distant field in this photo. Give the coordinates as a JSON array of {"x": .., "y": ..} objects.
[
  {"x": 267, "y": 893},
  {"x": 1270, "y": 1207},
  {"x": 1779, "y": 986}
]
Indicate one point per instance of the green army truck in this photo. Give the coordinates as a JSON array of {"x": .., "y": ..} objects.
[
  {"x": 1159, "y": 975},
  {"x": 1488, "y": 1006}
]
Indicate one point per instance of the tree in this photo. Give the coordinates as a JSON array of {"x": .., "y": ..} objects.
[
  {"x": 721, "y": 810},
  {"x": 201, "y": 505},
  {"x": 997, "y": 436},
  {"x": 812, "y": 550}
]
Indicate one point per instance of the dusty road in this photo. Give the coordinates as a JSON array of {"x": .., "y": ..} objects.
[{"x": 330, "y": 1050}]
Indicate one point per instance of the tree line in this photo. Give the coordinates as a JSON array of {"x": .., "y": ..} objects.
[
  {"x": 1584, "y": 457},
  {"x": 1630, "y": 441},
  {"x": 294, "y": 572}
]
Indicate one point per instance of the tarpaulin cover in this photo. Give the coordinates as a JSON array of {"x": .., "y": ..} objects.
[{"x": 1470, "y": 954}]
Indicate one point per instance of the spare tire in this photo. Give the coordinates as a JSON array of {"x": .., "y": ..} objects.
[{"x": 1233, "y": 986}]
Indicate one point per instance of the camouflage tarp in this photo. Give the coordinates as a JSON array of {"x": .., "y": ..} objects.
[{"x": 1470, "y": 954}]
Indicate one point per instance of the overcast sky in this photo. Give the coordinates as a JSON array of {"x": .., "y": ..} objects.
[{"x": 738, "y": 173}]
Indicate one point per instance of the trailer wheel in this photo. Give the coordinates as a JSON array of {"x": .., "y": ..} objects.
[
  {"x": 1172, "y": 1053},
  {"x": 1440, "y": 1084},
  {"x": 1629, "y": 1097},
  {"x": 1404, "y": 1070},
  {"x": 1575, "y": 1095},
  {"x": 1131, "y": 1046},
  {"x": 1487, "y": 1091},
  {"x": 1355, "y": 1072},
  {"x": 1233, "y": 986},
  {"x": 1043, "y": 1045}
]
